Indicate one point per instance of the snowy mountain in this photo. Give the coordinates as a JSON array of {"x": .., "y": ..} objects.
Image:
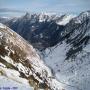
[
  {"x": 63, "y": 42},
  {"x": 64, "y": 19},
  {"x": 71, "y": 56},
  {"x": 20, "y": 64},
  {"x": 4, "y": 19},
  {"x": 41, "y": 30}
]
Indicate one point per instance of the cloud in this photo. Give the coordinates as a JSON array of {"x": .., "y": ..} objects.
[{"x": 2, "y": 10}]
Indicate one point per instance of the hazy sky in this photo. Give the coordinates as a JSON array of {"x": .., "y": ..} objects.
[{"x": 59, "y": 6}]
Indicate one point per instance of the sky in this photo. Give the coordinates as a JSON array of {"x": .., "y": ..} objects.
[{"x": 57, "y": 6}]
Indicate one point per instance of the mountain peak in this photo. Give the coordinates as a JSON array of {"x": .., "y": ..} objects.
[{"x": 27, "y": 15}]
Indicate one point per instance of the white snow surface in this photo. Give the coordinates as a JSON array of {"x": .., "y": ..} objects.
[
  {"x": 75, "y": 75},
  {"x": 65, "y": 19},
  {"x": 2, "y": 26},
  {"x": 9, "y": 84}
]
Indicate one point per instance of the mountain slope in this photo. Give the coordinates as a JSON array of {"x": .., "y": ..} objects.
[
  {"x": 20, "y": 62},
  {"x": 71, "y": 56}
]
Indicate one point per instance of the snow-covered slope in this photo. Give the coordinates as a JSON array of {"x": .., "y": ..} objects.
[
  {"x": 70, "y": 58},
  {"x": 2, "y": 26},
  {"x": 74, "y": 73},
  {"x": 65, "y": 19},
  {"x": 20, "y": 62}
]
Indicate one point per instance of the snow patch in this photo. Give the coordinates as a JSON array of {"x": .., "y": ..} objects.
[
  {"x": 2, "y": 26},
  {"x": 65, "y": 19}
]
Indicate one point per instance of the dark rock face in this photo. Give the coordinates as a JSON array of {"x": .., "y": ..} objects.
[{"x": 78, "y": 33}]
